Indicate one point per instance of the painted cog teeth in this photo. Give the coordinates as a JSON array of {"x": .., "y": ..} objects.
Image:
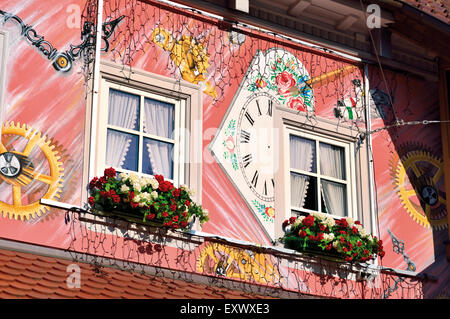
[
  {"x": 411, "y": 176},
  {"x": 54, "y": 181}
]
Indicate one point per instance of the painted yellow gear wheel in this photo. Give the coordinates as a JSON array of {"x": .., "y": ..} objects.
[
  {"x": 235, "y": 263},
  {"x": 419, "y": 177},
  {"x": 17, "y": 170}
]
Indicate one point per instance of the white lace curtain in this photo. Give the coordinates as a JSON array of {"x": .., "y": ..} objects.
[
  {"x": 159, "y": 120},
  {"x": 123, "y": 112},
  {"x": 303, "y": 158},
  {"x": 332, "y": 163}
]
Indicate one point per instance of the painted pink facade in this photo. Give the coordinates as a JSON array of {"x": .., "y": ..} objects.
[{"x": 39, "y": 98}]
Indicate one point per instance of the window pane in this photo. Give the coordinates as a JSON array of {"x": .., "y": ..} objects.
[
  {"x": 158, "y": 118},
  {"x": 122, "y": 150},
  {"x": 303, "y": 153},
  {"x": 332, "y": 161},
  {"x": 334, "y": 197},
  {"x": 157, "y": 158},
  {"x": 123, "y": 109},
  {"x": 304, "y": 191}
]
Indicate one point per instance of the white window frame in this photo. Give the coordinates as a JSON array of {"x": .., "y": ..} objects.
[
  {"x": 188, "y": 96},
  {"x": 288, "y": 121},
  {"x": 349, "y": 169},
  {"x": 179, "y": 128}
]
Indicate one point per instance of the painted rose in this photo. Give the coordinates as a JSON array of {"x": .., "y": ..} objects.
[
  {"x": 297, "y": 104},
  {"x": 270, "y": 211},
  {"x": 284, "y": 81}
]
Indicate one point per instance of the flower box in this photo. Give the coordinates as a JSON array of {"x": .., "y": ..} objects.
[
  {"x": 311, "y": 248},
  {"x": 341, "y": 240},
  {"x": 145, "y": 200}
]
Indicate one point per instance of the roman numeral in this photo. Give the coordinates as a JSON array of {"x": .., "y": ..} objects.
[
  {"x": 259, "y": 109},
  {"x": 269, "y": 107},
  {"x": 265, "y": 188},
  {"x": 255, "y": 179},
  {"x": 245, "y": 137},
  {"x": 249, "y": 118},
  {"x": 247, "y": 159}
]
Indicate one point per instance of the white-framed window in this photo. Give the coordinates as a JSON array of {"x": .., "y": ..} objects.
[
  {"x": 143, "y": 132},
  {"x": 145, "y": 123},
  {"x": 321, "y": 167},
  {"x": 321, "y": 178}
]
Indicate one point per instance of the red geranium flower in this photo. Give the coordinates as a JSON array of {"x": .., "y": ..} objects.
[
  {"x": 134, "y": 204},
  {"x": 159, "y": 178},
  {"x": 308, "y": 221},
  {"x": 91, "y": 200},
  {"x": 165, "y": 186},
  {"x": 176, "y": 192},
  {"x": 110, "y": 172},
  {"x": 93, "y": 183}
]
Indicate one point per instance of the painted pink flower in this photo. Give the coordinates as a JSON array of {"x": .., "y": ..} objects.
[
  {"x": 297, "y": 104},
  {"x": 229, "y": 144},
  {"x": 284, "y": 81}
]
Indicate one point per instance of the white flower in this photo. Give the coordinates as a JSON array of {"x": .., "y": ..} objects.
[
  {"x": 335, "y": 244},
  {"x": 328, "y": 236},
  {"x": 205, "y": 212},
  {"x": 298, "y": 221},
  {"x": 137, "y": 186},
  {"x": 318, "y": 215},
  {"x": 123, "y": 176},
  {"x": 145, "y": 196},
  {"x": 137, "y": 198},
  {"x": 154, "y": 183},
  {"x": 154, "y": 194},
  {"x": 350, "y": 221},
  {"x": 124, "y": 188},
  {"x": 133, "y": 178},
  {"x": 329, "y": 221},
  {"x": 362, "y": 232}
]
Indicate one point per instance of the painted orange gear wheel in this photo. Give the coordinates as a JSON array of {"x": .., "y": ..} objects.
[{"x": 17, "y": 170}]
